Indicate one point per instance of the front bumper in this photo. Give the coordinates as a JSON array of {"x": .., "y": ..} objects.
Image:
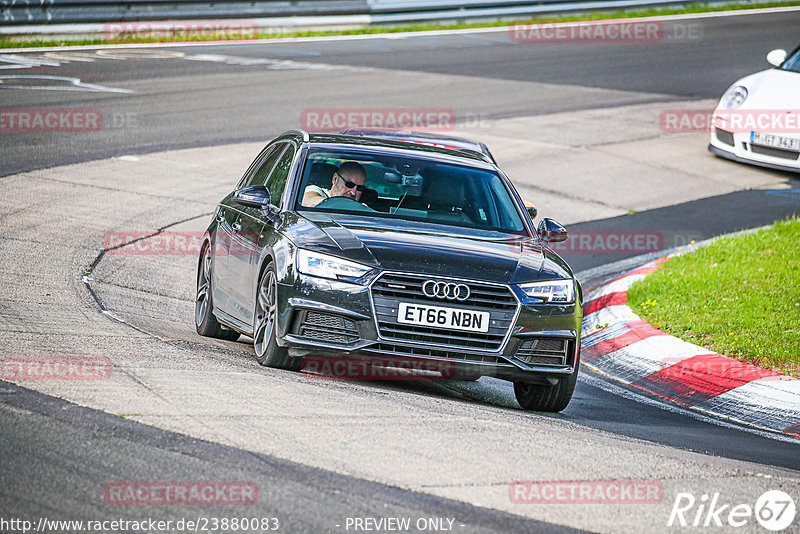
[
  {"x": 737, "y": 147},
  {"x": 320, "y": 318}
]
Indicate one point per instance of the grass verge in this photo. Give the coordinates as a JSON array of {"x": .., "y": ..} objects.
[
  {"x": 693, "y": 8},
  {"x": 738, "y": 296}
]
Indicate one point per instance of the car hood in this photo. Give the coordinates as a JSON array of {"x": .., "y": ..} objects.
[
  {"x": 771, "y": 89},
  {"x": 437, "y": 250}
]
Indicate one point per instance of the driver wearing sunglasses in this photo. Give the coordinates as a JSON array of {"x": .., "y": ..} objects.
[{"x": 347, "y": 181}]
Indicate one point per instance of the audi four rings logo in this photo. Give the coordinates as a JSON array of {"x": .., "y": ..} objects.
[{"x": 445, "y": 290}]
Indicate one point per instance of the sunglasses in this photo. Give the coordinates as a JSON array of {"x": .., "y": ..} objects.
[{"x": 350, "y": 185}]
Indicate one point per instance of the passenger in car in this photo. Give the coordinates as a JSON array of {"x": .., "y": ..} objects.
[{"x": 347, "y": 181}]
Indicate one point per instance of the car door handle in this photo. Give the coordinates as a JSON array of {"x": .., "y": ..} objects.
[{"x": 236, "y": 226}]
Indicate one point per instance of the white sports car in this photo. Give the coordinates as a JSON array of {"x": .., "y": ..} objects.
[{"x": 757, "y": 120}]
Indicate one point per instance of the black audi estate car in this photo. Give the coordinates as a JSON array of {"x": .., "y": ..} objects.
[{"x": 384, "y": 250}]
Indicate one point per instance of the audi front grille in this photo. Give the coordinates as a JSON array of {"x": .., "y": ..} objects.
[{"x": 390, "y": 289}]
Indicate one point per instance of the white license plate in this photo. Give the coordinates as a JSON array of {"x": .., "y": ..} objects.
[
  {"x": 441, "y": 317},
  {"x": 777, "y": 141}
]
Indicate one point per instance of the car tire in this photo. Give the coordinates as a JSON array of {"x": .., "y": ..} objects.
[
  {"x": 546, "y": 398},
  {"x": 205, "y": 322},
  {"x": 268, "y": 352}
]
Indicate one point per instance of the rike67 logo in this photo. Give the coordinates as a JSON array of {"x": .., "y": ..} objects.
[{"x": 774, "y": 510}]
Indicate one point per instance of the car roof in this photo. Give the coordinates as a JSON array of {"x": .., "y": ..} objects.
[
  {"x": 378, "y": 143},
  {"x": 427, "y": 138}
]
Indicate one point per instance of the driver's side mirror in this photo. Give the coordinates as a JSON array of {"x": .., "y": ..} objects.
[
  {"x": 254, "y": 196},
  {"x": 531, "y": 209},
  {"x": 551, "y": 231},
  {"x": 776, "y": 57}
]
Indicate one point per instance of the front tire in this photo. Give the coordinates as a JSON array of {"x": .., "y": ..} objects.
[
  {"x": 268, "y": 352},
  {"x": 546, "y": 398},
  {"x": 205, "y": 322}
]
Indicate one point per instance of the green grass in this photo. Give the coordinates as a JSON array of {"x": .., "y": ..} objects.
[
  {"x": 738, "y": 296},
  {"x": 693, "y": 8}
]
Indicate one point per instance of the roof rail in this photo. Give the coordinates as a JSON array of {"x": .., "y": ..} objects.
[{"x": 424, "y": 138}]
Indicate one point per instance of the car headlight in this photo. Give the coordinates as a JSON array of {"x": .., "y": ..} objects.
[
  {"x": 551, "y": 291},
  {"x": 326, "y": 266},
  {"x": 734, "y": 97}
]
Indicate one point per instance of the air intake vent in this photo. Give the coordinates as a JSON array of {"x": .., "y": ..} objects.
[
  {"x": 544, "y": 351},
  {"x": 724, "y": 137},
  {"x": 327, "y": 327},
  {"x": 387, "y": 349},
  {"x": 775, "y": 152}
]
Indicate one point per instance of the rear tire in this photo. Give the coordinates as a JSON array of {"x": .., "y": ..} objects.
[
  {"x": 205, "y": 322},
  {"x": 268, "y": 352},
  {"x": 541, "y": 398}
]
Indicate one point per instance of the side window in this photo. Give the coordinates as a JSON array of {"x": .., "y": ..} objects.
[
  {"x": 268, "y": 160},
  {"x": 507, "y": 213},
  {"x": 276, "y": 183}
]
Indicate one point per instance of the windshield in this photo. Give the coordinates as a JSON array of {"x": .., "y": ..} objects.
[
  {"x": 792, "y": 63},
  {"x": 407, "y": 188}
]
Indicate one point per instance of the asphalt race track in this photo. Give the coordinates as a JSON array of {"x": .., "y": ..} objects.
[{"x": 577, "y": 128}]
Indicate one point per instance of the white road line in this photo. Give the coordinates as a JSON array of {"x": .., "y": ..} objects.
[
  {"x": 22, "y": 62},
  {"x": 75, "y": 84}
]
